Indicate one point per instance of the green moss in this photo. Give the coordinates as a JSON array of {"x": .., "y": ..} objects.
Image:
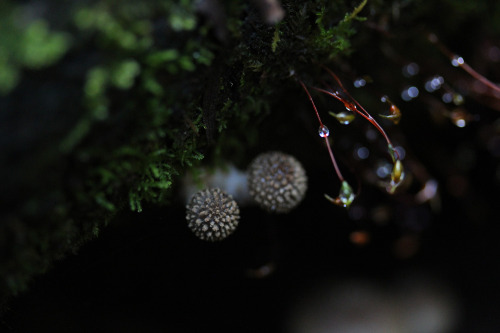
[
  {"x": 276, "y": 38},
  {"x": 124, "y": 73},
  {"x": 41, "y": 47},
  {"x": 334, "y": 39},
  {"x": 27, "y": 44}
]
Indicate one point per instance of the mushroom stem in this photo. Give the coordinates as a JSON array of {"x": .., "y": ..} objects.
[{"x": 229, "y": 179}]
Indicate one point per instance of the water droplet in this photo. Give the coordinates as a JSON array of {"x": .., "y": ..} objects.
[
  {"x": 404, "y": 96},
  {"x": 413, "y": 92},
  {"x": 434, "y": 83},
  {"x": 459, "y": 118},
  {"x": 457, "y": 61},
  {"x": 401, "y": 152},
  {"x": 428, "y": 86},
  {"x": 362, "y": 153},
  {"x": 360, "y": 82},
  {"x": 384, "y": 170},
  {"x": 460, "y": 122},
  {"x": 411, "y": 69},
  {"x": 323, "y": 131},
  {"x": 409, "y": 93},
  {"x": 447, "y": 97}
]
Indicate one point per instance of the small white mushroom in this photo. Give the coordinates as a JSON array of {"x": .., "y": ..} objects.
[
  {"x": 212, "y": 214},
  {"x": 277, "y": 181}
]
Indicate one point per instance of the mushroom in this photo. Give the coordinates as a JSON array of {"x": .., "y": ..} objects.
[
  {"x": 212, "y": 214},
  {"x": 228, "y": 178},
  {"x": 277, "y": 181}
]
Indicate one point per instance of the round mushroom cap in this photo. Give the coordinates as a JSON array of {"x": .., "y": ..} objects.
[
  {"x": 277, "y": 181},
  {"x": 212, "y": 214}
]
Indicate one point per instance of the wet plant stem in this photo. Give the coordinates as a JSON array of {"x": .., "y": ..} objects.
[
  {"x": 458, "y": 61},
  {"x": 330, "y": 152},
  {"x": 355, "y": 106}
]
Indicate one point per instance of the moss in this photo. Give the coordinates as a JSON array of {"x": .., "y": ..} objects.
[
  {"x": 332, "y": 40},
  {"x": 26, "y": 44}
]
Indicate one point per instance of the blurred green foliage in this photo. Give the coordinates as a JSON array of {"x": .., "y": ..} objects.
[{"x": 27, "y": 44}]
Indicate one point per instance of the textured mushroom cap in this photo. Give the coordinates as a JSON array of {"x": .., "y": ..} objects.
[
  {"x": 277, "y": 181},
  {"x": 212, "y": 214}
]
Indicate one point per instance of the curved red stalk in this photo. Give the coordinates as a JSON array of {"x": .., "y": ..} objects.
[
  {"x": 472, "y": 72},
  {"x": 356, "y": 107},
  {"x": 330, "y": 152}
]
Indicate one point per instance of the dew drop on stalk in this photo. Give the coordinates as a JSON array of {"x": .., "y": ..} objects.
[
  {"x": 360, "y": 82},
  {"x": 447, "y": 97},
  {"x": 434, "y": 83},
  {"x": 401, "y": 152},
  {"x": 361, "y": 153},
  {"x": 409, "y": 93},
  {"x": 411, "y": 69},
  {"x": 457, "y": 61},
  {"x": 323, "y": 131},
  {"x": 383, "y": 170},
  {"x": 413, "y": 92},
  {"x": 460, "y": 117},
  {"x": 460, "y": 122}
]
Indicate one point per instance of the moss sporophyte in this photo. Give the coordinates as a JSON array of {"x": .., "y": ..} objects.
[{"x": 346, "y": 195}]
